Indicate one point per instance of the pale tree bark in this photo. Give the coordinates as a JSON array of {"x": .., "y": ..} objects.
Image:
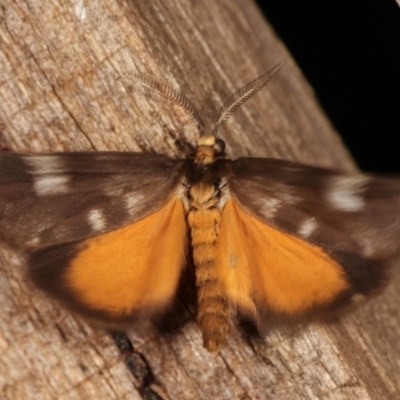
[{"x": 65, "y": 84}]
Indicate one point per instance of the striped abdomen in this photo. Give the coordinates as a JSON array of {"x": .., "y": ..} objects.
[{"x": 213, "y": 309}]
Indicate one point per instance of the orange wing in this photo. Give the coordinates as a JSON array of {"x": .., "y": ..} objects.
[
  {"x": 122, "y": 273},
  {"x": 274, "y": 270}
]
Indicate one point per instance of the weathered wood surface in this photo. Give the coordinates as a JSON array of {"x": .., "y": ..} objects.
[{"x": 64, "y": 85}]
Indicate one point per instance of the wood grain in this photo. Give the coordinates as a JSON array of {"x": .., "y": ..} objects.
[{"x": 66, "y": 84}]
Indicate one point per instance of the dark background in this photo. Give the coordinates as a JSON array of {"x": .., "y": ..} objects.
[{"x": 350, "y": 53}]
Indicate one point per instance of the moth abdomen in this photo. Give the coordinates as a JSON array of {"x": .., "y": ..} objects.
[{"x": 213, "y": 308}]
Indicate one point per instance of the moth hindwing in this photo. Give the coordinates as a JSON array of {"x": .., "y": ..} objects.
[{"x": 108, "y": 234}]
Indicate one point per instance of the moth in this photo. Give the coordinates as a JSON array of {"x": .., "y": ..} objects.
[{"x": 108, "y": 234}]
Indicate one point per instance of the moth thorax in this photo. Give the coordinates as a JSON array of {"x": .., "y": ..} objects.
[
  {"x": 203, "y": 196},
  {"x": 208, "y": 148}
]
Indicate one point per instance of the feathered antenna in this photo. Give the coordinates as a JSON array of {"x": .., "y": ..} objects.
[
  {"x": 177, "y": 97},
  {"x": 243, "y": 94}
]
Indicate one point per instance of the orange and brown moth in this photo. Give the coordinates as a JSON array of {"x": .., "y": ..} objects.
[{"x": 108, "y": 234}]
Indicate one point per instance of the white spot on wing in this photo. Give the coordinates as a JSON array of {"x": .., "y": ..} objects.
[
  {"x": 80, "y": 10},
  {"x": 51, "y": 184},
  {"x": 345, "y": 193},
  {"x": 307, "y": 227},
  {"x": 96, "y": 220},
  {"x": 48, "y": 174},
  {"x": 269, "y": 207},
  {"x": 132, "y": 201}
]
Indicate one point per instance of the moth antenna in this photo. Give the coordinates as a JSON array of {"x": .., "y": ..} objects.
[
  {"x": 177, "y": 97},
  {"x": 243, "y": 94}
]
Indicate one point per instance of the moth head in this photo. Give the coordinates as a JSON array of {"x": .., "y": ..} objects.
[{"x": 209, "y": 148}]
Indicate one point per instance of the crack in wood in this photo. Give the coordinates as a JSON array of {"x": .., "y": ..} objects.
[{"x": 138, "y": 366}]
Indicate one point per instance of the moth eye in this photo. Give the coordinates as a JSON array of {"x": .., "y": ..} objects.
[
  {"x": 219, "y": 145},
  {"x": 187, "y": 185}
]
